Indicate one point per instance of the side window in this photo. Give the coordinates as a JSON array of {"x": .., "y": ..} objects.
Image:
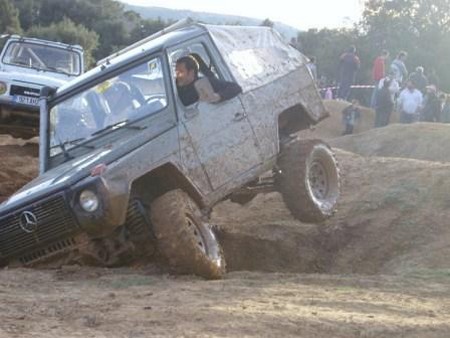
[{"x": 198, "y": 50}]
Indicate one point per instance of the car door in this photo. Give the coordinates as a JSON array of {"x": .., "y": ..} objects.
[{"x": 220, "y": 132}]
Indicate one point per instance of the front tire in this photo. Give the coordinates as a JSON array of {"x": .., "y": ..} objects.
[
  {"x": 309, "y": 180},
  {"x": 183, "y": 238}
]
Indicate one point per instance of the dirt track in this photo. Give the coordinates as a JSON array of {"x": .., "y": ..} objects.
[
  {"x": 378, "y": 268},
  {"x": 123, "y": 303}
]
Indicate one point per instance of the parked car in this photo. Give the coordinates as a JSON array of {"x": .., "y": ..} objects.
[{"x": 26, "y": 65}]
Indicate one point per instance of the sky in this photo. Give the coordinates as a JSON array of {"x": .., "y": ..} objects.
[{"x": 301, "y": 14}]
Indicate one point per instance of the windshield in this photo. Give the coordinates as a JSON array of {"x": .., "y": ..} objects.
[
  {"x": 43, "y": 57},
  {"x": 109, "y": 105}
]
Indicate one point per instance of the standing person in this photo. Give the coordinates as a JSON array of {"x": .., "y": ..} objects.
[
  {"x": 384, "y": 105},
  {"x": 432, "y": 107},
  {"x": 378, "y": 73},
  {"x": 445, "y": 108},
  {"x": 394, "y": 86},
  {"x": 409, "y": 103},
  {"x": 419, "y": 79},
  {"x": 312, "y": 67},
  {"x": 349, "y": 116},
  {"x": 398, "y": 67},
  {"x": 349, "y": 63},
  {"x": 433, "y": 79}
]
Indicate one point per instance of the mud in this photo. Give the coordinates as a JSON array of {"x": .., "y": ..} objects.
[{"x": 378, "y": 268}]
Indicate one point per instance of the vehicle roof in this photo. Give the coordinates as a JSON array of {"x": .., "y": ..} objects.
[
  {"x": 42, "y": 41},
  {"x": 255, "y": 55},
  {"x": 153, "y": 46}
]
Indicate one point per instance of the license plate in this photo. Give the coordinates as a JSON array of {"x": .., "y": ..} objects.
[{"x": 31, "y": 101}]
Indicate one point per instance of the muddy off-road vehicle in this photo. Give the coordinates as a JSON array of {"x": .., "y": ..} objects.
[
  {"x": 127, "y": 171},
  {"x": 27, "y": 65}
]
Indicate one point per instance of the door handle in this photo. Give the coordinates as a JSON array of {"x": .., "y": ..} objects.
[{"x": 239, "y": 116}]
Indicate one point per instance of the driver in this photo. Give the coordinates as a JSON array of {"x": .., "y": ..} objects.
[
  {"x": 187, "y": 69},
  {"x": 120, "y": 102}
]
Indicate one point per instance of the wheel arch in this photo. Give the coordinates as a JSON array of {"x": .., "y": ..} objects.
[
  {"x": 161, "y": 180},
  {"x": 294, "y": 119}
]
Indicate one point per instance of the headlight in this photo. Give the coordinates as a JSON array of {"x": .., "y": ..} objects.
[
  {"x": 3, "y": 87},
  {"x": 89, "y": 201}
]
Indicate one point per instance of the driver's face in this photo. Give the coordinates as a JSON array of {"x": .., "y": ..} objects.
[{"x": 184, "y": 76}]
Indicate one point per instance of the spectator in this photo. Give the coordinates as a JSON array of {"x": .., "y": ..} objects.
[
  {"x": 312, "y": 67},
  {"x": 445, "y": 108},
  {"x": 398, "y": 67},
  {"x": 394, "y": 86},
  {"x": 384, "y": 105},
  {"x": 349, "y": 116},
  {"x": 432, "y": 107},
  {"x": 409, "y": 103},
  {"x": 378, "y": 73},
  {"x": 433, "y": 78},
  {"x": 349, "y": 63},
  {"x": 419, "y": 79}
]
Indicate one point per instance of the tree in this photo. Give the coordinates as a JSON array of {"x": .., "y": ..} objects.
[
  {"x": 68, "y": 32},
  {"x": 326, "y": 45},
  {"x": 421, "y": 27},
  {"x": 9, "y": 18},
  {"x": 147, "y": 28},
  {"x": 267, "y": 23}
]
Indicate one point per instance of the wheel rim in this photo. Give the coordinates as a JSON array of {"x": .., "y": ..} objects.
[
  {"x": 197, "y": 234},
  {"x": 318, "y": 180}
]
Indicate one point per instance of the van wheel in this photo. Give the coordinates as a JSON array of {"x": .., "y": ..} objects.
[
  {"x": 309, "y": 180},
  {"x": 183, "y": 238}
]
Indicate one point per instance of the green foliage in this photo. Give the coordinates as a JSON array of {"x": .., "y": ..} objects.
[
  {"x": 420, "y": 27},
  {"x": 326, "y": 45},
  {"x": 267, "y": 23},
  {"x": 9, "y": 18},
  {"x": 146, "y": 28},
  {"x": 100, "y": 26},
  {"x": 68, "y": 32}
]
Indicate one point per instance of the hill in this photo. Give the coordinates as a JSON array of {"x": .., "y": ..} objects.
[{"x": 167, "y": 14}]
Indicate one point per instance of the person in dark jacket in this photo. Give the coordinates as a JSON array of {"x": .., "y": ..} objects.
[
  {"x": 432, "y": 108},
  {"x": 349, "y": 63},
  {"x": 384, "y": 105},
  {"x": 187, "y": 70},
  {"x": 419, "y": 79}
]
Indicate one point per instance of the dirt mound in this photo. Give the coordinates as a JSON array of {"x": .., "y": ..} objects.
[
  {"x": 392, "y": 218},
  {"x": 19, "y": 164},
  {"x": 423, "y": 141},
  {"x": 332, "y": 126}
]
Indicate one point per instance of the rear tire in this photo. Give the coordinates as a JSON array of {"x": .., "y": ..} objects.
[
  {"x": 309, "y": 180},
  {"x": 183, "y": 238}
]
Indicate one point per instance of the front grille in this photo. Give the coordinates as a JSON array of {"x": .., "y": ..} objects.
[
  {"x": 54, "y": 220},
  {"x": 25, "y": 91},
  {"x": 48, "y": 251}
]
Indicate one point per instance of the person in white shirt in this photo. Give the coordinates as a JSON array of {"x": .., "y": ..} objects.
[{"x": 409, "y": 103}]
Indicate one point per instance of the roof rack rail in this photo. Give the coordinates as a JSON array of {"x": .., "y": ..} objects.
[{"x": 177, "y": 25}]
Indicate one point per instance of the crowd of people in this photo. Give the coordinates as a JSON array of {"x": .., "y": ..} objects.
[{"x": 415, "y": 96}]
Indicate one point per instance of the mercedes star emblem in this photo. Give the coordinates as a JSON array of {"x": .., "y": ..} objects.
[{"x": 28, "y": 222}]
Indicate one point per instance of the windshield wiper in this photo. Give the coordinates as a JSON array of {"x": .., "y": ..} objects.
[
  {"x": 76, "y": 142},
  {"x": 58, "y": 70},
  {"x": 117, "y": 125}
]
